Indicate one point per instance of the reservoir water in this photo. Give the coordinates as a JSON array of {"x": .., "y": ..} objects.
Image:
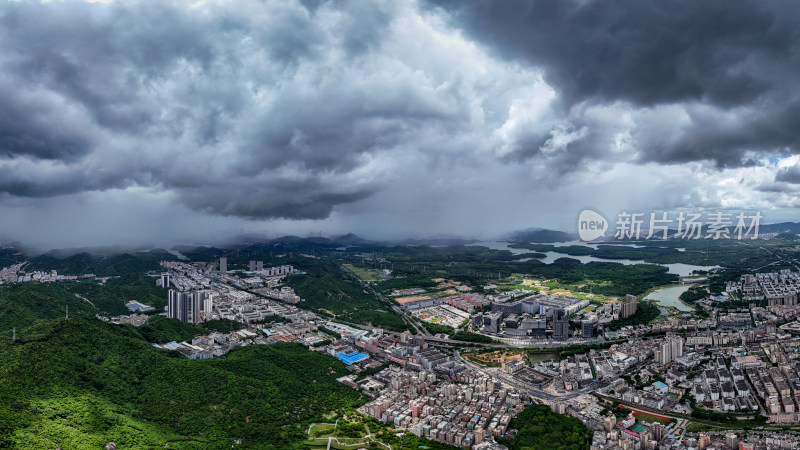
[
  {"x": 679, "y": 269},
  {"x": 669, "y": 296}
]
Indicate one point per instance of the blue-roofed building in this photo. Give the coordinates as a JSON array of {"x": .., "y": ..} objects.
[
  {"x": 133, "y": 305},
  {"x": 352, "y": 357},
  {"x": 660, "y": 387},
  {"x": 171, "y": 345}
]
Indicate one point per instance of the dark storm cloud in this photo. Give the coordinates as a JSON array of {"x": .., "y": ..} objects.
[
  {"x": 298, "y": 109},
  {"x": 32, "y": 129},
  {"x": 645, "y": 52},
  {"x": 307, "y": 200},
  {"x": 100, "y": 58},
  {"x": 250, "y": 109},
  {"x": 789, "y": 175},
  {"x": 731, "y": 66}
]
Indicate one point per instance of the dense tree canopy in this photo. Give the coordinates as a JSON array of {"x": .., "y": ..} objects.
[{"x": 85, "y": 381}]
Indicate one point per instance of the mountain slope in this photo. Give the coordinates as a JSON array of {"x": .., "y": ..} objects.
[
  {"x": 540, "y": 235},
  {"x": 85, "y": 381}
]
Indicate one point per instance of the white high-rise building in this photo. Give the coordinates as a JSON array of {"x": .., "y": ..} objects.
[
  {"x": 670, "y": 349},
  {"x": 223, "y": 265},
  {"x": 187, "y": 306},
  {"x": 208, "y": 306}
]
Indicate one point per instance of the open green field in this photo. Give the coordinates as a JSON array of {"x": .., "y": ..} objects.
[
  {"x": 319, "y": 429},
  {"x": 366, "y": 274},
  {"x": 644, "y": 417}
]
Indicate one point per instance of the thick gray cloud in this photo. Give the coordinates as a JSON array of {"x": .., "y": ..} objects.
[
  {"x": 248, "y": 109},
  {"x": 789, "y": 175},
  {"x": 645, "y": 52},
  {"x": 732, "y": 67},
  {"x": 391, "y": 114}
]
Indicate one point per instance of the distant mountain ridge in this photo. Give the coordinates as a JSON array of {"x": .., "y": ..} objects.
[
  {"x": 783, "y": 227},
  {"x": 541, "y": 235},
  {"x": 535, "y": 235},
  {"x": 350, "y": 239}
]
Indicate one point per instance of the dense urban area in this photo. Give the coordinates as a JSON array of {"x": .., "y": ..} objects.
[{"x": 346, "y": 343}]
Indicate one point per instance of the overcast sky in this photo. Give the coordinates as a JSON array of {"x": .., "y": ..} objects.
[{"x": 126, "y": 122}]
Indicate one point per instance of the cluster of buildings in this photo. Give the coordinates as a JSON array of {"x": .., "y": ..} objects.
[
  {"x": 300, "y": 327},
  {"x": 670, "y": 349},
  {"x": 530, "y": 316},
  {"x": 743, "y": 439},
  {"x": 258, "y": 267},
  {"x": 655, "y": 395},
  {"x": 184, "y": 276},
  {"x": 574, "y": 371},
  {"x": 405, "y": 350},
  {"x": 610, "y": 312},
  {"x": 215, "y": 345},
  {"x": 15, "y": 274},
  {"x": 467, "y": 302},
  {"x": 541, "y": 303},
  {"x": 778, "y": 386},
  {"x": 723, "y": 389},
  {"x": 619, "y": 358},
  {"x": 136, "y": 320},
  {"x": 198, "y": 294},
  {"x": 442, "y": 314},
  {"x": 744, "y": 372},
  {"x": 464, "y": 410},
  {"x": 735, "y": 320},
  {"x": 190, "y": 307},
  {"x": 284, "y": 294},
  {"x": 254, "y": 310},
  {"x": 778, "y": 288}
]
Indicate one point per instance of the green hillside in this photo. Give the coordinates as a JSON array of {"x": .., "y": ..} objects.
[
  {"x": 82, "y": 383},
  {"x": 326, "y": 288},
  {"x": 22, "y": 304},
  {"x": 110, "y": 265}
]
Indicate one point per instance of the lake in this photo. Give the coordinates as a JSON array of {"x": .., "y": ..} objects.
[
  {"x": 679, "y": 269},
  {"x": 668, "y": 296}
]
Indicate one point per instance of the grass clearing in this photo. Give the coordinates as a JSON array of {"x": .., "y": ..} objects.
[{"x": 645, "y": 417}]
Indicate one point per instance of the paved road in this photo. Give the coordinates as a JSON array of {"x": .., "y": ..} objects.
[{"x": 390, "y": 303}]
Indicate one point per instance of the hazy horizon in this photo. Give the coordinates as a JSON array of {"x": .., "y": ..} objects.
[{"x": 130, "y": 123}]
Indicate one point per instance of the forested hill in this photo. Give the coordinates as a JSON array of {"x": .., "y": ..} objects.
[{"x": 82, "y": 383}]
